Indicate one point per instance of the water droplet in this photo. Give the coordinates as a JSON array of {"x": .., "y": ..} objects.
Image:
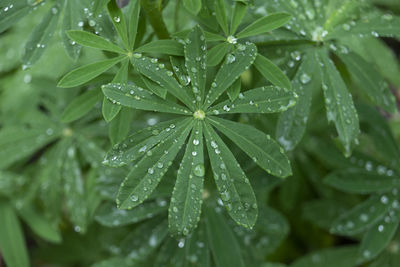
[
  {"x": 117, "y": 19},
  {"x": 134, "y": 198},
  {"x": 305, "y": 78},
  {"x": 199, "y": 170}
]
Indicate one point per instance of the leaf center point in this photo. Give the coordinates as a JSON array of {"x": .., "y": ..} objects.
[{"x": 199, "y": 114}]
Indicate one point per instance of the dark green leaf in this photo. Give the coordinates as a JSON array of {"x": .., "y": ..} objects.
[
  {"x": 120, "y": 125},
  {"x": 271, "y": 72},
  {"x": 81, "y": 105},
  {"x": 217, "y": 53},
  {"x": 133, "y": 22},
  {"x": 331, "y": 257},
  {"x": 234, "y": 91}
]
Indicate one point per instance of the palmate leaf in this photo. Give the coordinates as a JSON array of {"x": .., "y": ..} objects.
[
  {"x": 265, "y": 24},
  {"x": 260, "y": 147},
  {"x": 371, "y": 82},
  {"x": 339, "y": 103},
  {"x": 167, "y": 47},
  {"x": 271, "y": 72},
  {"x": 185, "y": 208},
  {"x": 292, "y": 123},
  {"x": 94, "y": 41},
  {"x": 147, "y": 173},
  {"x": 233, "y": 186},
  {"x": 235, "y": 64},
  {"x": 133, "y": 96},
  {"x": 268, "y": 99}
]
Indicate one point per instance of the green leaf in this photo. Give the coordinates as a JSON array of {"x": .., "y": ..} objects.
[
  {"x": 167, "y": 47},
  {"x": 147, "y": 173},
  {"x": 377, "y": 238},
  {"x": 98, "y": 6},
  {"x": 118, "y": 20},
  {"x": 120, "y": 125},
  {"x": 132, "y": 96},
  {"x": 88, "y": 72},
  {"x": 195, "y": 62},
  {"x": 330, "y": 257},
  {"x": 339, "y": 103},
  {"x": 265, "y": 24},
  {"x": 12, "y": 243},
  {"x": 359, "y": 181},
  {"x": 271, "y": 72},
  {"x": 341, "y": 13},
  {"x": 109, "y": 215},
  {"x": 154, "y": 87},
  {"x": 81, "y": 105},
  {"x": 94, "y": 41},
  {"x": 40, "y": 37},
  {"x": 223, "y": 243},
  {"x": 213, "y": 37},
  {"x": 71, "y": 21},
  {"x": 260, "y": 147},
  {"x": 372, "y": 83},
  {"x": 184, "y": 211},
  {"x": 292, "y": 123},
  {"x": 157, "y": 73},
  {"x": 269, "y": 99},
  {"x": 178, "y": 65},
  {"x": 362, "y": 216},
  {"x": 234, "y": 91},
  {"x": 39, "y": 224},
  {"x": 10, "y": 16},
  {"x": 141, "y": 142},
  {"x": 233, "y": 186},
  {"x": 322, "y": 212},
  {"x": 193, "y": 6},
  {"x": 235, "y": 64},
  {"x": 133, "y": 22},
  {"x": 220, "y": 14},
  {"x": 237, "y": 16},
  {"x": 217, "y": 53}
]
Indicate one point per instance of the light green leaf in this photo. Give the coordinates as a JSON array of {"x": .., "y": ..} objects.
[
  {"x": 98, "y": 6},
  {"x": 292, "y": 123},
  {"x": 235, "y": 64},
  {"x": 271, "y": 72},
  {"x": 339, "y": 103},
  {"x": 147, "y": 173},
  {"x": 132, "y": 96},
  {"x": 265, "y": 24},
  {"x": 268, "y": 99},
  {"x": 223, "y": 243},
  {"x": 341, "y": 13},
  {"x": 12, "y": 242},
  {"x": 10, "y": 16},
  {"x": 88, "y": 72},
  {"x": 118, "y": 19},
  {"x": 330, "y": 257},
  {"x": 213, "y": 37},
  {"x": 220, "y": 14},
  {"x": 71, "y": 21},
  {"x": 120, "y": 125},
  {"x": 109, "y": 215},
  {"x": 167, "y": 47},
  {"x": 133, "y": 22},
  {"x": 157, "y": 73},
  {"x": 81, "y": 105},
  {"x": 260, "y": 147},
  {"x": 193, "y": 6},
  {"x": 359, "y": 181},
  {"x": 362, "y": 216},
  {"x": 195, "y": 62},
  {"x": 40, "y": 37},
  {"x": 233, "y": 186},
  {"x": 94, "y": 41},
  {"x": 234, "y": 91},
  {"x": 238, "y": 14},
  {"x": 184, "y": 211},
  {"x": 217, "y": 53},
  {"x": 141, "y": 142}
]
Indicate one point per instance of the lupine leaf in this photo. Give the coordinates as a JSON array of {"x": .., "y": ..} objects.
[
  {"x": 118, "y": 19},
  {"x": 271, "y": 72},
  {"x": 94, "y": 41},
  {"x": 223, "y": 243},
  {"x": 10, "y": 16},
  {"x": 195, "y": 61},
  {"x": 167, "y": 47},
  {"x": 139, "y": 143},
  {"x": 178, "y": 65},
  {"x": 156, "y": 72},
  {"x": 265, "y": 24},
  {"x": 213, "y": 37},
  {"x": 184, "y": 211},
  {"x": 12, "y": 242},
  {"x": 235, "y": 64},
  {"x": 220, "y": 15},
  {"x": 71, "y": 21},
  {"x": 292, "y": 123},
  {"x": 371, "y": 82},
  {"x": 154, "y": 87},
  {"x": 193, "y": 6},
  {"x": 361, "y": 181},
  {"x": 98, "y": 6},
  {"x": 217, "y": 53},
  {"x": 362, "y": 216},
  {"x": 339, "y": 103},
  {"x": 237, "y": 16},
  {"x": 147, "y": 173},
  {"x": 260, "y": 147},
  {"x": 109, "y": 215},
  {"x": 331, "y": 257},
  {"x": 234, "y": 91},
  {"x": 268, "y": 99},
  {"x": 233, "y": 186},
  {"x": 120, "y": 125},
  {"x": 40, "y": 37},
  {"x": 81, "y": 105},
  {"x": 132, "y": 96},
  {"x": 88, "y": 72},
  {"x": 133, "y": 22}
]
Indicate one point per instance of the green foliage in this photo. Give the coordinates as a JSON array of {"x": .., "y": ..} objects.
[{"x": 139, "y": 133}]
